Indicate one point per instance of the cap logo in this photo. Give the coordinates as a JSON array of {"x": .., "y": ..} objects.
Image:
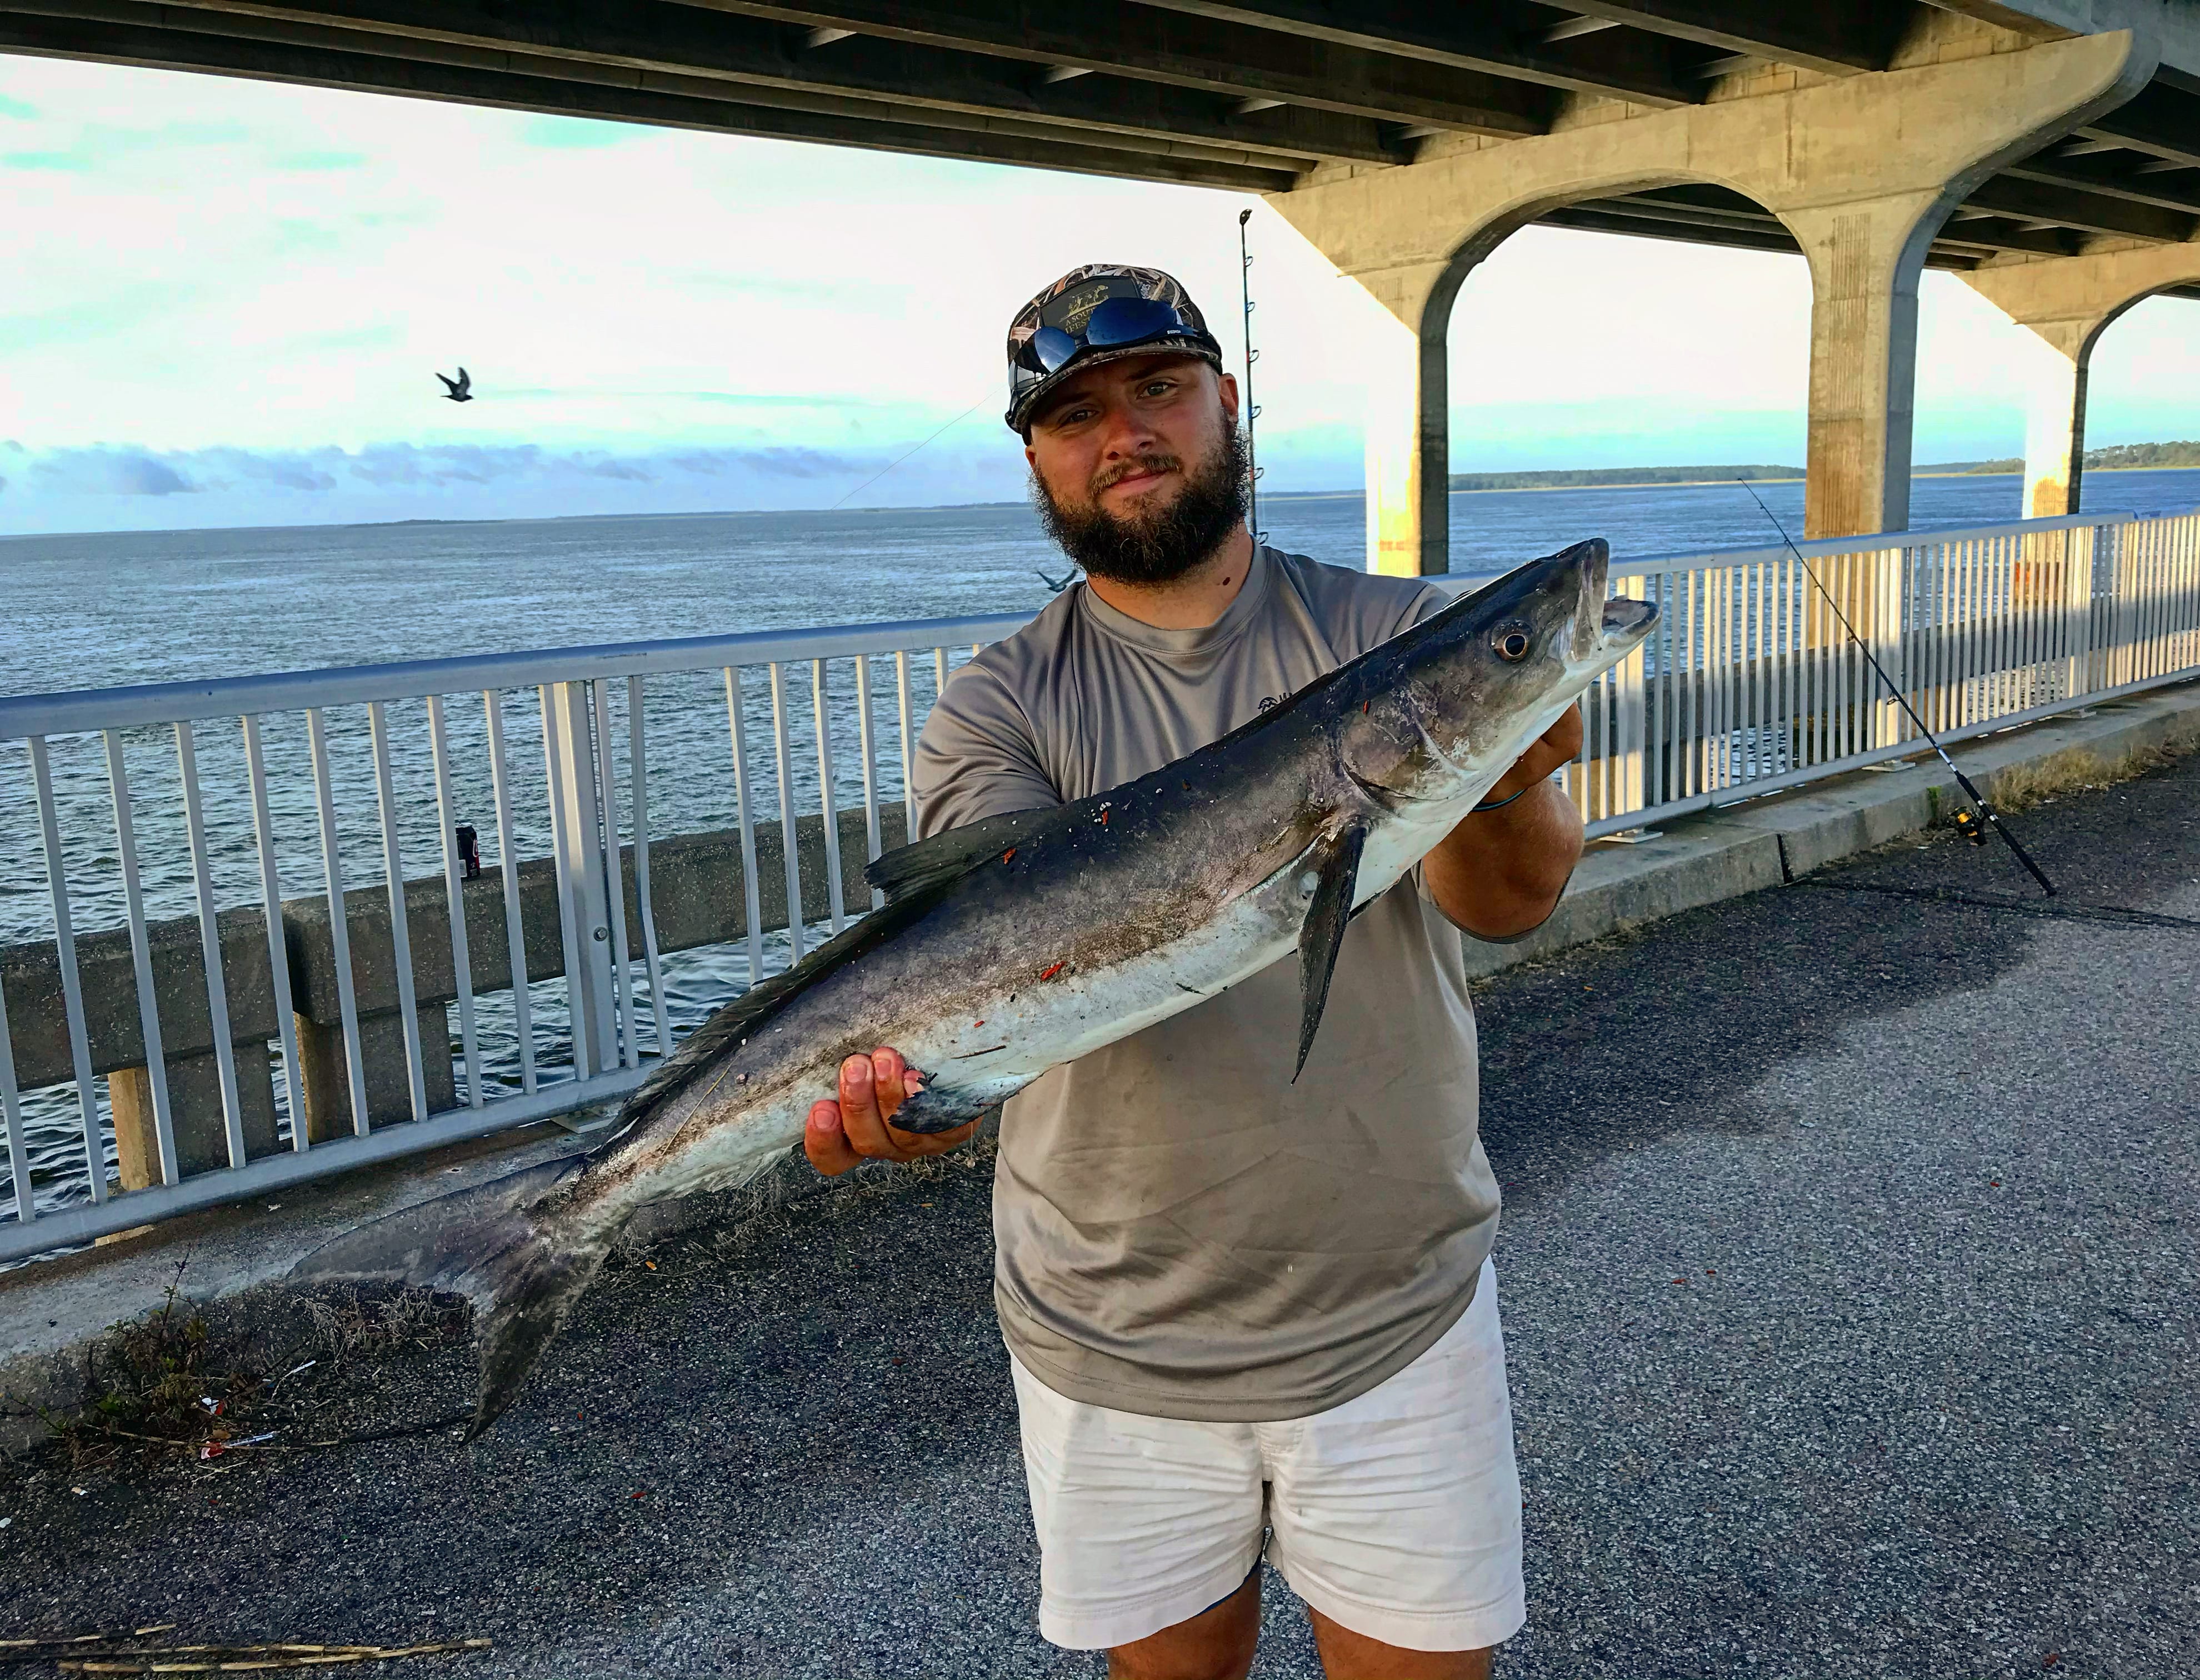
[{"x": 1078, "y": 308}]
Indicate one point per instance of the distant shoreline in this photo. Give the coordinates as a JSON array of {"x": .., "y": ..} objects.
[{"x": 959, "y": 506}]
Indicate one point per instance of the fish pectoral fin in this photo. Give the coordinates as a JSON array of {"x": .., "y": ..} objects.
[{"x": 1337, "y": 865}]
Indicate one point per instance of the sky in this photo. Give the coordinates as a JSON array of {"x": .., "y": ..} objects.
[{"x": 226, "y": 302}]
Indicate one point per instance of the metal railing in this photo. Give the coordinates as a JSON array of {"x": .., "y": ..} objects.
[
  {"x": 1751, "y": 684},
  {"x": 183, "y": 1034}
]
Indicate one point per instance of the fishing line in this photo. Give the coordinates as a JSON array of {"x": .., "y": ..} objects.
[
  {"x": 891, "y": 465},
  {"x": 1972, "y": 825}
]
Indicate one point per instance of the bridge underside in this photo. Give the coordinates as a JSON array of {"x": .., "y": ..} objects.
[
  {"x": 1256, "y": 98},
  {"x": 1305, "y": 100}
]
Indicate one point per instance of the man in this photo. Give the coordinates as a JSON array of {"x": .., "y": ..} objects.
[{"x": 1234, "y": 1304}]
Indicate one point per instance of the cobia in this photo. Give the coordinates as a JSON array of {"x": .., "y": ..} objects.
[{"x": 1019, "y": 943}]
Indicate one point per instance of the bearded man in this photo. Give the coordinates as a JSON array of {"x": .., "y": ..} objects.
[{"x": 1245, "y": 1316}]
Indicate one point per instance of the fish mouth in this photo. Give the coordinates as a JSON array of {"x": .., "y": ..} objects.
[
  {"x": 1625, "y": 620},
  {"x": 1589, "y": 563},
  {"x": 1603, "y": 629}
]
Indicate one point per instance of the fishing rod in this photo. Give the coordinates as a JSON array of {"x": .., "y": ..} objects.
[
  {"x": 1972, "y": 825},
  {"x": 1252, "y": 355}
]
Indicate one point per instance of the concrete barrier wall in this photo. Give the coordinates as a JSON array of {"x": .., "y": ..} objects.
[{"x": 697, "y": 896}]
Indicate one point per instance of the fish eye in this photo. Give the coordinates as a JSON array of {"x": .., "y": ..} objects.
[{"x": 1512, "y": 644}]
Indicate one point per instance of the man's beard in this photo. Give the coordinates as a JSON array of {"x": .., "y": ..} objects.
[{"x": 1159, "y": 547}]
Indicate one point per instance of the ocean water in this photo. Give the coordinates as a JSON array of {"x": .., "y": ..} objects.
[
  {"x": 101, "y": 610},
  {"x": 107, "y": 609}
]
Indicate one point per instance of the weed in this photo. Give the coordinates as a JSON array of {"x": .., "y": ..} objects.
[
  {"x": 2077, "y": 770},
  {"x": 164, "y": 1382},
  {"x": 176, "y": 1384}
]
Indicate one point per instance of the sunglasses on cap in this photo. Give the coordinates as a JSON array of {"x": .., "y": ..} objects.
[{"x": 1114, "y": 323}]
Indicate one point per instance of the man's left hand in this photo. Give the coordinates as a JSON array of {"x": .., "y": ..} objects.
[
  {"x": 1500, "y": 872},
  {"x": 1555, "y": 746}
]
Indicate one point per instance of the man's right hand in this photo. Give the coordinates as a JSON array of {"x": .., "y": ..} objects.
[{"x": 858, "y": 1126}]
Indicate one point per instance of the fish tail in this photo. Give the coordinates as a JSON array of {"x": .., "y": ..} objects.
[{"x": 507, "y": 1245}]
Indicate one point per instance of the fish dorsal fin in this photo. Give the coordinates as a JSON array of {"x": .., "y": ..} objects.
[
  {"x": 1336, "y": 865},
  {"x": 752, "y": 1012},
  {"x": 948, "y": 857}
]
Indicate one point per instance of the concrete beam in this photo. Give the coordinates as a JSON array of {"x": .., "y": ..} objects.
[
  {"x": 31, "y": 973},
  {"x": 1154, "y": 45},
  {"x": 652, "y": 36},
  {"x": 2173, "y": 26},
  {"x": 1708, "y": 215},
  {"x": 696, "y": 892},
  {"x": 289, "y": 53},
  {"x": 2024, "y": 195},
  {"x": 2114, "y": 176},
  {"x": 2162, "y": 121},
  {"x": 1838, "y": 40},
  {"x": 1500, "y": 36},
  {"x": 1817, "y": 156},
  {"x": 2068, "y": 303}
]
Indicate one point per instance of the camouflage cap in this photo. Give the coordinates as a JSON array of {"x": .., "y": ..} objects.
[{"x": 1039, "y": 358}]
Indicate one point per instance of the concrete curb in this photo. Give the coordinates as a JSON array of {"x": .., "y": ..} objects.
[
  {"x": 53, "y": 1312},
  {"x": 1724, "y": 854}
]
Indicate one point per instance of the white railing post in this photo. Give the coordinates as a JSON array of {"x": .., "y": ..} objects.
[
  {"x": 1627, "y": 745},
  {"x": 1887, "y": 722},
  {"x": 577, "y": 819}
]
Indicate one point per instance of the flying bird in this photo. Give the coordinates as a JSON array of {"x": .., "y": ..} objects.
[
  {"x": 461, "y": 388},
  {"x": 1058, "y": 588}
]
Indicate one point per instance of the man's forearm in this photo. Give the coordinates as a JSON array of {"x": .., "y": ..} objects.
[{"x": 1500, "y": 872}]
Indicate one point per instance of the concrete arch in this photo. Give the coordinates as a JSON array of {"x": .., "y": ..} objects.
[
  {"x": 2068, "y": 302},
  {"x": 1432, "y": 323},
  {"x": 1815, "y": 154}
]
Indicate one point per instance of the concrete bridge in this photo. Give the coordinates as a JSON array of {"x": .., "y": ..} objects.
[
  {"x": 1846, "y": 1280},
  {"x": 2047, "y": 150}
]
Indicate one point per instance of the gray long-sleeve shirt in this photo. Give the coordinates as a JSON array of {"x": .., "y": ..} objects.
[{"x": 1182, "y": 1231}]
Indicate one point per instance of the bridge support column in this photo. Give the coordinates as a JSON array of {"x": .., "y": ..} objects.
[
  {"x": 1865, "y": 258},
  {"x": 2068, "y": 303},
  {"x": 1861, "y": 169},
  {"x": 1409, "y": 426}
]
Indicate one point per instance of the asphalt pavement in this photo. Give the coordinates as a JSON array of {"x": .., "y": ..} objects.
[{"x": 1847, "y": 1277}]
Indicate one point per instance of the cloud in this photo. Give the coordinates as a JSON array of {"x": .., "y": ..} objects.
[
  {"x": 292, "y": 470},
  {"x": 110, "y": 472},
  {"x": 73, "y": 161},
  {"x": 776, "y": 463},
  {"x": 574, "y": 133}
]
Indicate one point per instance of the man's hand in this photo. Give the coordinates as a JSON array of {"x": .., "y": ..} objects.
[
  {"x": 1500, "y": 872},
  {"x": 858, "y": 1126},
  {"x": 1555, "y": 746}
]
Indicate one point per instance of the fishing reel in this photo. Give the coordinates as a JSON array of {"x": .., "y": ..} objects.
[{"x": 1968, "y": 825}]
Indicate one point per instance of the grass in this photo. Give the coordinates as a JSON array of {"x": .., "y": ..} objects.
[{"x": 2078, "y": 770}]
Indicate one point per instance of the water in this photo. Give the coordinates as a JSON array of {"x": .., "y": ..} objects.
[
  {"x": 92, "y": 610},
  {"x": 97, "y": 611}
]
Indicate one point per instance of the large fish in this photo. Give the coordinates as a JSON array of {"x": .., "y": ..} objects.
[{"x": 1022, "y": 942}]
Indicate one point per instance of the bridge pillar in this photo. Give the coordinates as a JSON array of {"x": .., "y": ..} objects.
[
  {"x": 2068, "y": 303},
  {"x": 1861, "y": 169},
  {"x": 1408, "y": 436}
]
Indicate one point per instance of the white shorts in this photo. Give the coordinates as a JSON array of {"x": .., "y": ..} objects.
[{"x": 1396, "y": 1514}]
